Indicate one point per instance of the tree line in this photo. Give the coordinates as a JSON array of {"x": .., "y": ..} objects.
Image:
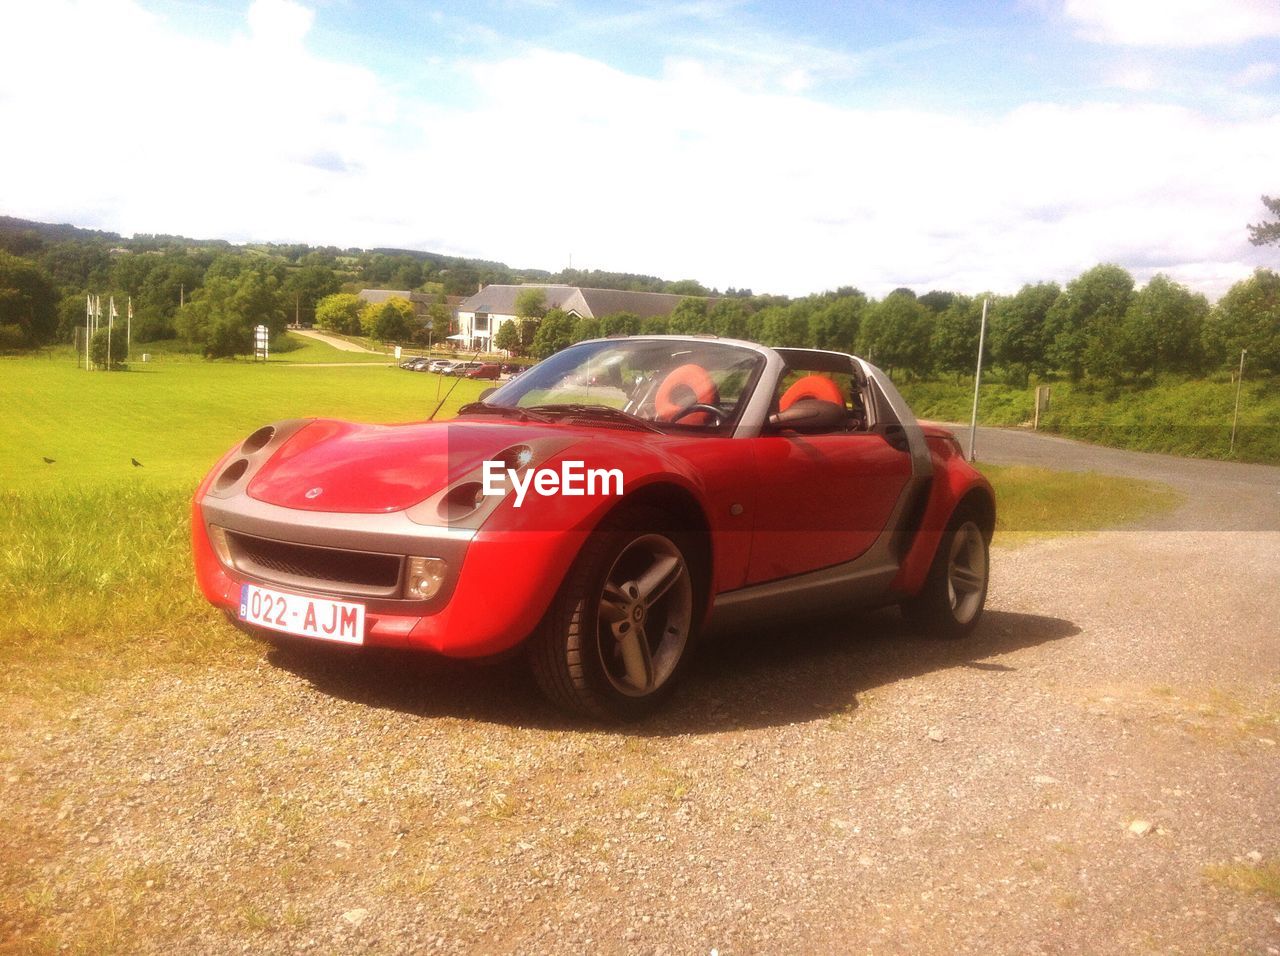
[
  {"x": 1099, "y": 325},
  {"x": 211, "y": 294}
]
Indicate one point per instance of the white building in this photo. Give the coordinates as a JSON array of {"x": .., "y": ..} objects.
[{"x": 481, "y": 315}]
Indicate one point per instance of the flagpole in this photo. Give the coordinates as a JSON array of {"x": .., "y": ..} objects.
[
  {"x": 111, "y": 321},
  {"x": 128, "y": 330},
  {"x": 88, "y": 331}
]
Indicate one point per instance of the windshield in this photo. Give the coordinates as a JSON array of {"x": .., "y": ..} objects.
[{"x": 676, "y": 382}]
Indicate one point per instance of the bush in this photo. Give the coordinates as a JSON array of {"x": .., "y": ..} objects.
[
  {"x": 98, "y": 348},
  {"x": 11, "y": 338},
  {"x": 284, "y": 343}
]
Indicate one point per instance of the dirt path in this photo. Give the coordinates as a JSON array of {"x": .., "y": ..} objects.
[{"x": 1096, "y": 770}]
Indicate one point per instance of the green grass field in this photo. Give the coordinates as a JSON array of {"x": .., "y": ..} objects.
[
  {"x": 95, "y": 574},
  {"x": 178, "y": 417}
]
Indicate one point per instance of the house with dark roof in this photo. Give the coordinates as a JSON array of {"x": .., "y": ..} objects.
[{"x": 481, "y": 315}]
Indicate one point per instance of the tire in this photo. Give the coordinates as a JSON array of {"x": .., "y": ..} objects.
[
  {"x": 951, "y": 602},
  {"x": 619, "y": 631}
]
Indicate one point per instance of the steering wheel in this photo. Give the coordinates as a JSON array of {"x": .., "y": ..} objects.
[{"x": 720, "y": 414}]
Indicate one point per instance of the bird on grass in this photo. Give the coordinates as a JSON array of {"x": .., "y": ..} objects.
[
  {"x": 48, "y": 460},
  {"x": 136, "y": 463}
]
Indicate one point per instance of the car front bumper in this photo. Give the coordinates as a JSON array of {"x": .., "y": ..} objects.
[{"x": 497, "y": 588}]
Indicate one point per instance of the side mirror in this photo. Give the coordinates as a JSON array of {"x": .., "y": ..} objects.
[
  {"x": 487, "y": 392},
  {"x": 811, "y": 416}
]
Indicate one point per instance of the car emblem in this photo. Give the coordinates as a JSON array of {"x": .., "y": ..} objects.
[{"x": 315, "y": 493}]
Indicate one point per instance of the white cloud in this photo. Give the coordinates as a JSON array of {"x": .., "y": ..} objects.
[
  {"x": 1256, "y": 73},
  {"x": 1174, "y": 23},
  {"x": 279, "y": 23},
  {"x": 689, "y": 174},
  {"x": 1136, "y": 79}
]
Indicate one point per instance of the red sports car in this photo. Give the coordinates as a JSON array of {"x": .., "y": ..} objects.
[{"x": 602, "y": 512}]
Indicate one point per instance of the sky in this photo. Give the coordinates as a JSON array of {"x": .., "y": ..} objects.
[{"x": 787, "y": 147}]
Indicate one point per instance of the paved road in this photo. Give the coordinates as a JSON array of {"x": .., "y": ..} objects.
[
  {"x": 338, "y": 343},
  {"x": 1221, "y": 495}
]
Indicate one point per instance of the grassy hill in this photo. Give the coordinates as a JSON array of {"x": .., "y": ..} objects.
[{"x": 1178, "y": 416}]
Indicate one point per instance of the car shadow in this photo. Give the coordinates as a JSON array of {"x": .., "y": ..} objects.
[{"x": 760, "y": 678}]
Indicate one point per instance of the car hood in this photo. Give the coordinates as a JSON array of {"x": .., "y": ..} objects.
[{"x": 368, "y": 469}]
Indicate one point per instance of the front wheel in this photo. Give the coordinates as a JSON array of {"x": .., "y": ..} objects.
[
  {"x": 955, "y": 592},
  {"x": 618, "y": 632}
]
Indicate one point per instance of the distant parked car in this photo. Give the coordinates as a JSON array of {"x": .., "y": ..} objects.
[
  {"x": 416, "y": 364},
  {"x": 441, "y": 366},
  {"x": 488, "y": 370},
  {"x": 463, "y": 368}
]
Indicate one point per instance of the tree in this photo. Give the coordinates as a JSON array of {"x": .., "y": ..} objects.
[
  {"x": 689, "y": 317},
  {"x": 620, "y": 323},
  {"x": 896, "y": 333},
  {"x": 221, "y": 317},
  {"x": 729, "y": 318},
  {"x": 531, "y": 303},
  {"x": 507, "y": 338},
  {"x": 258, "y": 300},
  {"x": 555, "y": 332},
  {"x": 1019, "y": 332},
  {"x": 1163, "y": 328},
  {"x": 461, "y": 280},
  {"x": 1084, "y": 323},
  {"x": 408, "y": 275},
  {"x": 586, "y": 327},
  {"x": 390, "y": 321},
  {"x": 654, "y": 325},
  {"x": 686, "y": 287},
  {"x": 1265, "y": 233},
  {"x": 1248, "y": 317},
  {"x": 71, "y": 309},
  {"x": 937, "y": 301},
  {"x": 834, "y": 325},
  {"x": 28, "y": 300},
  {"x": 785, "y": 325},
  {"x": 173, "y": 278},
  {"x": 340, "y": 313},
  {"x": 305, "y": 287},
  {"x": 953, "y": 346}
]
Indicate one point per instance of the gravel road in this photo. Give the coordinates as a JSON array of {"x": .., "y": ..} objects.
[{"x": 1096, "y": 770}]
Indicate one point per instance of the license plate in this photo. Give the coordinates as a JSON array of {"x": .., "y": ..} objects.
[{"x": 341, "y": 621}]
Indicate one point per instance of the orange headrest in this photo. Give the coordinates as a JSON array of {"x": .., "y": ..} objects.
[
  {"x": 681, "y": 383},
  {"x": 811, "y": 386}
]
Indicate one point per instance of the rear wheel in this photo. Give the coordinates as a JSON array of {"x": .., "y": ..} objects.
[
  {"x": 618, "y": 632},
  {"x": 955, "y": 592}
]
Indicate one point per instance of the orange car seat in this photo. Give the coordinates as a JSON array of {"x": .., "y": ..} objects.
[
  {"x": 685, "y": 386},
  {"x": 811, "y": 386}
]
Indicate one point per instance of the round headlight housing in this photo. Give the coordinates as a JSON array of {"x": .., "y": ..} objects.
[{"x": 424, "y": 577}]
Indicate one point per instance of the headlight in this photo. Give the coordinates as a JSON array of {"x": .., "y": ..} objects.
[{"x": 423, "y": 579}]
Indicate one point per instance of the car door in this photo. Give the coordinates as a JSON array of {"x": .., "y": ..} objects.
[{"x": 821, "y": 500}]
